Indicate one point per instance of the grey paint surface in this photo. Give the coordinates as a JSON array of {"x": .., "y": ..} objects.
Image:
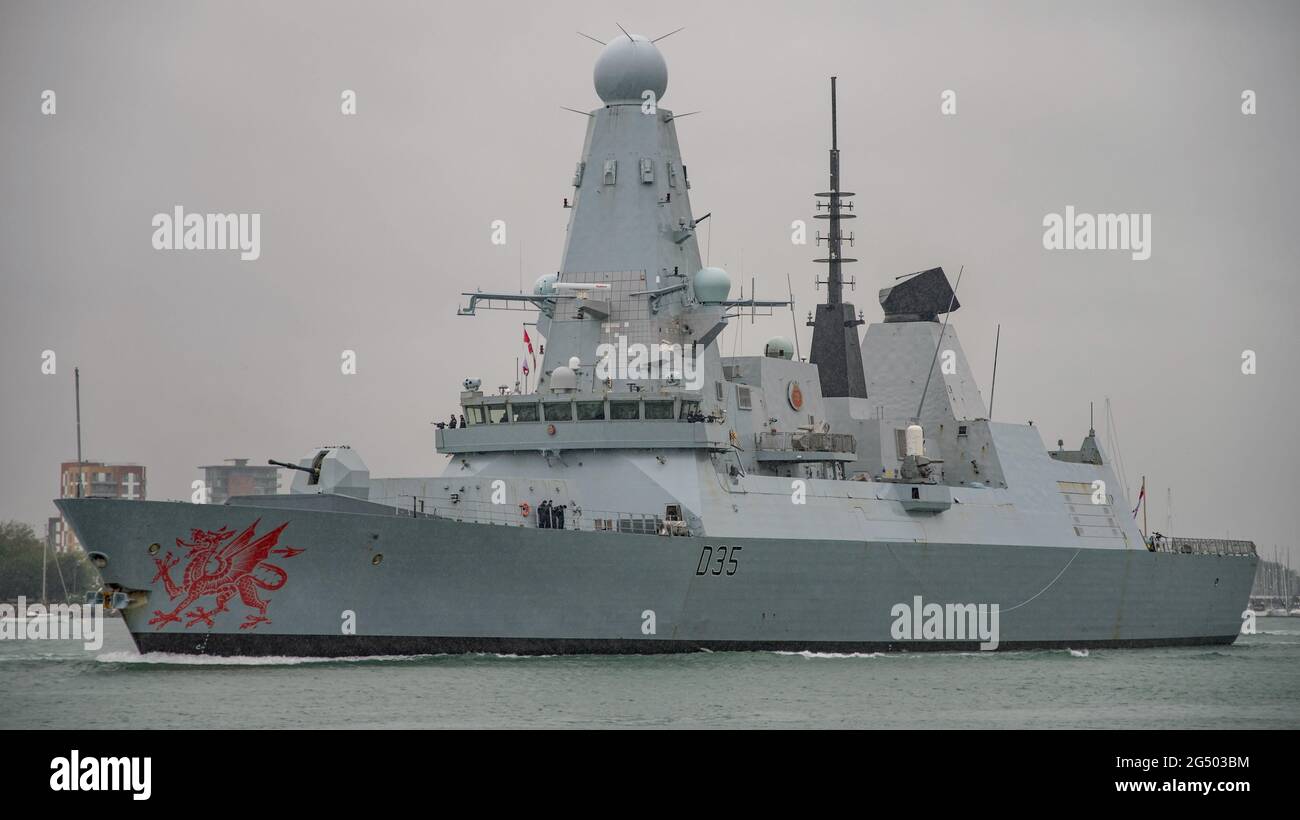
[{"x": 445, "y": 580}]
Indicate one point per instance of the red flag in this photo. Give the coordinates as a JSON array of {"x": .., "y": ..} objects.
[
  {"x": 1142, "y": 497},
  {"x": 528, "y": 341}
]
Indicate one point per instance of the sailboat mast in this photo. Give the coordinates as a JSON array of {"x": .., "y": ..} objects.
[{"x": 76, "y": 372}]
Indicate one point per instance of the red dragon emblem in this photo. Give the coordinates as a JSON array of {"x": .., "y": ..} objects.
[{"x": 223, "y": 570}]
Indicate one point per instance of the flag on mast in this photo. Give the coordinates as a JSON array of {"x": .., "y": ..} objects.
[
  {"x": 529, "y": 344},
  {"x": 1142, "y": 497}
]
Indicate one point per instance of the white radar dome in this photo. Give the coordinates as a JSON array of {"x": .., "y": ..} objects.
[
  {"x": 779, "y": 347},
  {"x": 712, "y": 285},
  {"x": 563, "y": 378},
  {"x": 545, "y": 285},
  {"x": 626, "y": 69}
]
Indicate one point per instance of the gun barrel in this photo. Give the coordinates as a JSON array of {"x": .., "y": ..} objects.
[{"x": 289, "y": 466}]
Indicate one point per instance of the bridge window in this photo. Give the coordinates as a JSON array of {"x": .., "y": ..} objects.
[
  {"x": 474, "y": 414},
  {"x": 496, "y": 414},
  {"x": 624, "y": 410},
  {"x": 524, "y": 412},
  {"x": 591, "y": 410},
  {"x": 559, "y": 411},
  {"x": 689, "y": 408},
  {"x": 658, "y": 410},
  {"x": 742, "y": 398}
]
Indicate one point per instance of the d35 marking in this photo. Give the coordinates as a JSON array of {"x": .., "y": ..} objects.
[{"x": 719, "y": 560}]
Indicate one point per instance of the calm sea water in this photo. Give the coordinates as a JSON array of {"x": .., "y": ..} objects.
[{"x": 1252, "y": 684}]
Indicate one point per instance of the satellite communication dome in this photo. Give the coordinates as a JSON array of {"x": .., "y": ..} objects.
[
  {"x": 545, "y": 285},
  {"x": 563, "y": 378},
  {"x": 778, "y": 347},
  {"x": 712, "y": 285},
  {"x": 627, "y": 68}
]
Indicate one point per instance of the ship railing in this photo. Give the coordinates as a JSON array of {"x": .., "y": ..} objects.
[
  {"x": 1200, "y": 546},
  {"x": 806, "y": 442},
  {"x": 575, "y": 518}
]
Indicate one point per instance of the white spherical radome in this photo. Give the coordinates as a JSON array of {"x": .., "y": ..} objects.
[
  {"x": 711, "y": 285},
  {"x": 545, "y": 285},
  {"x": 626, "y": 69},
  {"x": 563, "y": 378},
  {"x": 779, "y": 347}
]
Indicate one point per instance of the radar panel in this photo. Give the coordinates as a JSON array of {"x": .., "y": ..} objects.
[{"x": 919, "y": 298}]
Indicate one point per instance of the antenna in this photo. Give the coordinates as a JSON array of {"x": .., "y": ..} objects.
[
  {"x": 594, "y": 40},
  {"x": 669, "y": 34},
  {"x": 835, "y": 145},
  {"x": 994, "y": 387},
  {"x": 753, "y": 295},
  {"x": 1112, "y": 436},
  {"x": 939, "y": 344},
  {"x": 81, "y": 476},
  {"x": 625, "y": 34},
  {"x": 794, "y": 322},
  {"x": 708, "y": 248},
  {"x": 576, "y": 111}
]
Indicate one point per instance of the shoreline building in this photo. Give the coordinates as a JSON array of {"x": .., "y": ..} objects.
[
  {"x": 238, "y": 477},
  {"x": 98, "y": 479}
]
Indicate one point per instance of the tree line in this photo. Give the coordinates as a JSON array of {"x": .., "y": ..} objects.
[{"x": 68, "y": 575}]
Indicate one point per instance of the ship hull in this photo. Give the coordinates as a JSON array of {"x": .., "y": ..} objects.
[{"x": 337, "y": 584}]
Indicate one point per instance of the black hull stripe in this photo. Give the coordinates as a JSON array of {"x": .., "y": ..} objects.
[{"x": 351, "y": 646}]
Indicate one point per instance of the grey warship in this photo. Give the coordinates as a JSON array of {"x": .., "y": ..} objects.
[{"x": 860, "y": 501}]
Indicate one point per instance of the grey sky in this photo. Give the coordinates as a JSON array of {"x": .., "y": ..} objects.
[{"x": 372, "y": 225}]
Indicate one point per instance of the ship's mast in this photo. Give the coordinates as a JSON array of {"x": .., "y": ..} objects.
[
  {"x": 835, "y": 272},
  {"x": 835, "y": 347}
]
